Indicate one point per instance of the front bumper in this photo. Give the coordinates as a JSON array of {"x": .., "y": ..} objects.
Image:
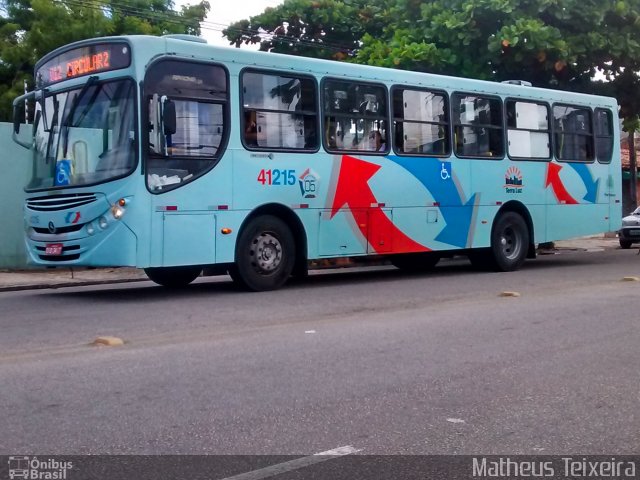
[{"x": 631, "y": 234}]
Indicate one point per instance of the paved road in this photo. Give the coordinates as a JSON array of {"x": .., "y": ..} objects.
[{"x": 380, "y": 360}]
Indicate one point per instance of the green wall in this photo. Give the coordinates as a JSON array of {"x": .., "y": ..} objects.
[{"x": 16, "y": 169}]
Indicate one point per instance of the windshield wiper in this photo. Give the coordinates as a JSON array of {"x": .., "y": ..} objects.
[{"x": 74, "y": 105}]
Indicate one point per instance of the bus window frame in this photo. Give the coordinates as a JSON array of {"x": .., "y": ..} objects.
[
  {"x": 144, "y": 134},
  {"x": 502, "y": 126},
  {"x": 609, "y": 112},
  {"x": 387, "y": 149},
  {"x": 277, "y": 73},
  {"x": 448, "y": 124},
  {"x": 591, "y": 123},
  {"x": 549, "y": 130}
]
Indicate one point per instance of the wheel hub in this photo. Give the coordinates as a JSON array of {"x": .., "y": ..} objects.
[
  {"x": 267, "y": 253},
  {"x": 510, "y": 243}
]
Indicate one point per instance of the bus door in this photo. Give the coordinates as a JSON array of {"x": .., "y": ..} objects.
[{"x": 187, "y": 107}]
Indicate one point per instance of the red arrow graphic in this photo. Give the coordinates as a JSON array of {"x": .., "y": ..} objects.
[
  {"x": 553, "y": 179},
  {"x": 353, "y": 190}
]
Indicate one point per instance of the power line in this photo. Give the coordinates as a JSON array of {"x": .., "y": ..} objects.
[{"x": 96, "y": 5}]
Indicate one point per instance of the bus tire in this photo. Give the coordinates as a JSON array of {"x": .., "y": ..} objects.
[
  {"x": 265, "y": 254},
  {"x": 625, "y": 244},
  {"x": 509, "y": 242},
  {"x": 415, "y": 262},
  {"x": 173, "y": 277}
]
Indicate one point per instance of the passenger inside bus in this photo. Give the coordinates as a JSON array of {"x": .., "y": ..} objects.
[
  {"x": 250, "y": 128},
  {"x": 378, "y": 141}
]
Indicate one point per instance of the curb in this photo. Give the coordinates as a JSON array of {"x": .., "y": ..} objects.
[{"x": 80, "y": 283}]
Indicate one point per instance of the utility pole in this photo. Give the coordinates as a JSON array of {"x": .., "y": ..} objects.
[{"x": 633, "y": 170}]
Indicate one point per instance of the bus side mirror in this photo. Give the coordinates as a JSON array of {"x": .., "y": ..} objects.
[
  {"x": 18, "y": 109},
  {"x": 168, "y": 117}
]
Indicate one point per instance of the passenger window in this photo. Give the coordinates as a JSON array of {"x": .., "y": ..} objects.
[
  {"x": 477, "y": 126},
  {"x": 355, "y": 117},
  {"x": 573, "y": 133},
  {"x": 279, "y": 112},
  {"x": 528, "y": 130},
  {"x": 421, "y": 122},
  {"x": 604, "y": 135},
  {"x": 187, "y": 103}
]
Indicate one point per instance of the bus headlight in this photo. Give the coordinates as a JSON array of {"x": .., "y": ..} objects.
[
  {"x": 103, "y": 223},
  {"x": 90, "y": 229},
  {"x": 117, "y": 211}
]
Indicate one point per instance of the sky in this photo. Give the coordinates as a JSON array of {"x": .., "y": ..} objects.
[{"x": 225, "y": 12}]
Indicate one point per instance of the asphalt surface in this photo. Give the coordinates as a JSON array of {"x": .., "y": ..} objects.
[{"x": 379, "y": 360}]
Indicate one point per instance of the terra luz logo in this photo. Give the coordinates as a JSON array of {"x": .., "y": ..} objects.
[{"x": 513, "y": 180}]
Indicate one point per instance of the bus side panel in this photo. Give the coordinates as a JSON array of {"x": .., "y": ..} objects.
[
  {"x": 184, "y": 225},
  {"x": 433, "y": 205},
  {"x": 500, "y": 182},
  {"x": 189, "y": 238},
  {"x": 577, "y": 204}
]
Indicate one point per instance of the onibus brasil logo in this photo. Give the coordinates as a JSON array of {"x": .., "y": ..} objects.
[{"x": 33, "y": 468}]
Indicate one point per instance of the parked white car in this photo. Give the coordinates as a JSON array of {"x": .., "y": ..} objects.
[{"x": 630, "y": 231}]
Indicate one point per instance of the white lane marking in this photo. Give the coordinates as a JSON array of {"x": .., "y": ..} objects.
[
  {"x": 294, "y": 464},
  {"x": 310, "y": 331}
]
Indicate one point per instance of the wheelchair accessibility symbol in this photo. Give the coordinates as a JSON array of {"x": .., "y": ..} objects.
[
  {"x": 445, "y": 171},
  {"x": 63, "y": 172}
]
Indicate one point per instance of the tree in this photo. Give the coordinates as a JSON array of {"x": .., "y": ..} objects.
[
  {"x": 31, "y": 28},
  {"x": 559, "y": 43},
  {"x": 330, "y": 29}
]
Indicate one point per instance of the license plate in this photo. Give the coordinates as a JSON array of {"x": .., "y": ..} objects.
[
  {"x": 634, "y": 233},
  {"x": 53, "y": 249}
]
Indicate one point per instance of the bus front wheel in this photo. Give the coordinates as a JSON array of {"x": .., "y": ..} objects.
[
  {"x": 265, "y": 254},
  {"x": 173, "y": 277}
]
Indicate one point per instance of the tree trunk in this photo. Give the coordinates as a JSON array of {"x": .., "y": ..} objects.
[{"x": 633, "y": 171}]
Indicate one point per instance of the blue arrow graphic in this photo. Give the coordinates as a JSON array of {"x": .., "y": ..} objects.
[
  {"x": 592, "y": 186},
  {"x": 456, "y": 214}
]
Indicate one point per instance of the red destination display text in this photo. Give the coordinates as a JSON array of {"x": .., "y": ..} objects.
[{"x": 80, "y": 66}]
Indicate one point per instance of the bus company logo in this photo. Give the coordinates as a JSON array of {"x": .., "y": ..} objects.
[
  {"x": 513, "y": 180},
  {"x": 308, "y": 182},
  {"x": 72, "y": 217},
  {"x": 33, "y": 468}
]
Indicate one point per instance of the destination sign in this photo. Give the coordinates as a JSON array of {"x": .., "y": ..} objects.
[{"x": 101, "y": 57}]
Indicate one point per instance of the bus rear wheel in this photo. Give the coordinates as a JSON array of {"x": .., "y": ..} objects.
[
  {"x": 173, "y": 277},
  {"x": 265, "y": 254},
  {"x": 509, "y": 242}
]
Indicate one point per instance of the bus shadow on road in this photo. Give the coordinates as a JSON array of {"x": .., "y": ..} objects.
[{"x": 206, "y": 286}]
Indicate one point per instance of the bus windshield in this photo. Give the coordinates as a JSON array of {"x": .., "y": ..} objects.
[{"x": 89, "y": 136}]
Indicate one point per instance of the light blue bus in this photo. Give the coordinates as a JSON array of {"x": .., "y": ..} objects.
[{"x": 178, "y": 157}]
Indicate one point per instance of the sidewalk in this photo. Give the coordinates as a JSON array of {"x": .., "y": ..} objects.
[{"x": 66, "y": 277}]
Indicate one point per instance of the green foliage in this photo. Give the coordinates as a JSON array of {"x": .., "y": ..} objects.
[
  {"x": 315, "y": 28},
  {"x": 30, "y": 29},
  {"x": 551, "y": 43}
]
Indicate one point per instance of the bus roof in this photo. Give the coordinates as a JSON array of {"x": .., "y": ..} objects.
[{"x": 147, "y": 47}]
